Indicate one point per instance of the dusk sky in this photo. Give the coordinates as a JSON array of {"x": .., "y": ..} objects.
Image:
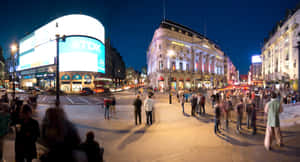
[{"x": 238, "y": 27}]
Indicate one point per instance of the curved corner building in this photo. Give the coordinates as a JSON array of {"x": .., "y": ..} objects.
[
  {"x": 81, "y": 54},
  {"x": 183, "y": 59}
]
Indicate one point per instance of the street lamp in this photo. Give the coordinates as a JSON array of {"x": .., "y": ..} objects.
[
  {"x": 14, "y": 50},
  {"x": 171, "y": 54},
  {"x": 58, "y": 38}
]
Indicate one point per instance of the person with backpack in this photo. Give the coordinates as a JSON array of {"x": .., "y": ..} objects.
[{"x": 217, "y": 116}]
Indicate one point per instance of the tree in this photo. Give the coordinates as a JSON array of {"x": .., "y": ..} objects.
[{"x": 1, "y": 55}]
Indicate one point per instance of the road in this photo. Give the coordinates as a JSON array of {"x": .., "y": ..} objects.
[{"x": 173, "y": 137}]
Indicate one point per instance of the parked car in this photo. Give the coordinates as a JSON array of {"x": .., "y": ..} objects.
[{"x": 86, "y": 91}]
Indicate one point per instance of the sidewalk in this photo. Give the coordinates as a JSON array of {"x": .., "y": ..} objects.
[{"x": 173, "y": 136}]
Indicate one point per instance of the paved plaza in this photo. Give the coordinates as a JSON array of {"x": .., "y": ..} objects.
[{"x": 173, "y": 136}]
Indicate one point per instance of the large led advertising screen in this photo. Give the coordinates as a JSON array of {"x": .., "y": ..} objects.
[
  {"x": 39, "y": 48},
  {"x": 256, "y": 59},
  {"x": 78, "y": 53}
]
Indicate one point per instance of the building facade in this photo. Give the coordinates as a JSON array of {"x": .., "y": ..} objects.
[
  {"x": 81, "y": 54},
  {"x": 230, "y": 71},
  {"x": 180, "y": 58},
  {"x": 279, "y": 55}
]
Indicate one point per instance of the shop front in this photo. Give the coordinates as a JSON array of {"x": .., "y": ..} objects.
[
  {"x": 181, "y": 84},
  {"x": 65, "y": 83},
  {"x": 76, "y": 83},
  {"x": 187, "y": 84},
  {"x": 161, "y": 84}
]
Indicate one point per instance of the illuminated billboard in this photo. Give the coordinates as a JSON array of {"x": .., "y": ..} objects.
[
  {"x": 39, "y": 48},
  {"x": 78, "y": 53},
  {"x": 256, "y": 59}
]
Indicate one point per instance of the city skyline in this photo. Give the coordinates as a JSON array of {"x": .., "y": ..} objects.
[{"x": 218, "y": 21}]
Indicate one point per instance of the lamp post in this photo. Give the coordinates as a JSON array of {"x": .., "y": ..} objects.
[
  {"x": 14, "y": 50},
  {"x": 171, "y": 54},
  {"x": 58, "y": 38}
]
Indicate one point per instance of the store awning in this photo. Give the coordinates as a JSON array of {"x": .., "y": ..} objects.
[
  {"x": 65, "y": 77},
  {"x": 76, "y": 77},
  {"x": 188, "y": 79},
  {"x": 181, "y": 79},
  {"x": 161, "y": 78}
]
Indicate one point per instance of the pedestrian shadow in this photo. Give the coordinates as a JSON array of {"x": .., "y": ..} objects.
[
  {"x": 233, "y": 141},
  {"x": 134, "y": 136},
  {"x": 122, "y": 131},
  {"x": 288, "y": 151},
  {"x": 206, "y": 118}
]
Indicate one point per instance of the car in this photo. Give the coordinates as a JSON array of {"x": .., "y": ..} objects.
[
  {"x": 86, "y": 91},
  {"x": 17, "y": 90}
]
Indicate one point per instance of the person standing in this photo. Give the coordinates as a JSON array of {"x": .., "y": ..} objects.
[
  {"x": 248, "y": 111},
  {"x": 239, "y": 114},
  {"x": 137, "y": 109},
  {"x": 202, "y": 104},
  {"x": 182, "y": 101},
  {"x": 217, "y": 116},
  {"x": 107, "y": 103},
  {"x": 273, "y": 108},
  {"x": 198, "y": 103},
  {"x": 148, "y": 105},
  {"x": 113, "y": 105},
  {"x": 193, "y": 104},
  {"x": 253, "y": 118},
  {"x": 91, "y": 147},
  {"x": 27, "y": 134},
  {"x": 4, "y": 125}
]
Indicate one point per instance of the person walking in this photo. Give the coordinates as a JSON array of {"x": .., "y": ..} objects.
[
  {"x": 182, "y": 101},
  {"x": 217, "y": 116},
  {"x": 59, "y": 136},
  {"x": 113, "y": 105},
  {"x": 148, "y": 105},
  {"x": 137, "y": 109},
  {"x": 27, "y": 133},
  {"x": 273, "y": 108},
  {"x": 239, "y": 114},
  {"x": 198, "y": 103},
  {"x": 193, "y": 104}
]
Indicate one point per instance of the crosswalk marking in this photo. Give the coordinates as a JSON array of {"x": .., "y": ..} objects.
[
  {"x": 69, "y": 100},
  {"x": 84, "y": 100}
]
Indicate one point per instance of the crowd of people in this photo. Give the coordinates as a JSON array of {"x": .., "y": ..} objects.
[{"x": 55, "y": 133}]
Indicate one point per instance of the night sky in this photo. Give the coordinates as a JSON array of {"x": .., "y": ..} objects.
[{"x": 238, "y": 27}]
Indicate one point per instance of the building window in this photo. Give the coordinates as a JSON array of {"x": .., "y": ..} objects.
[
  {"x": 180, "y": 66},
  {"x": 173, "y": 66},
  {"x": 187, "y": 67},
  {"x": 172, "y": 28},
  {"x": 161, "y": 65}
]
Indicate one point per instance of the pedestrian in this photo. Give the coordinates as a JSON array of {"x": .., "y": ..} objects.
[
  {"x": 213, "y": 100},
  {"x": 193, "y": 104},
  {"x": 107, "y": 103},
  {"x": 137, "y": 109},
  {"x": 4, "y": 125},
  {"x": 113, "y": 105},
  {"x": 248, "y": 111},
  {"x": 273, "y": 108},
  {"x": 27, "y": 133},
  {"x": 198, "y": 103},
  {"x": 202, "y": 104},
  {"x": 92, "y": 149},
  {"x": 59, "y": 136},
  {"x": 148, "y": 105},
  {"x": 225, "y": 110},
  {"x": 217, "y": 108},
  {"x": 182, "y": 101},
  {"x": 239, "y": 114},
  {"x": 253, "y": 118}
]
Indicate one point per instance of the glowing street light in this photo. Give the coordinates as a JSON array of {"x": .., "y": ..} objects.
[
  {"x": 14, "y": 50},
  {"x": 171, "y": 53}
]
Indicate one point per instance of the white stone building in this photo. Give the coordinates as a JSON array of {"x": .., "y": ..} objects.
[
  {"x": 184, "y": 59},
  {"x": 279, "y": 55}
]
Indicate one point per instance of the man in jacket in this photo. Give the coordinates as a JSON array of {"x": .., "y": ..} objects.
[
  {"x": 194, "y": 104},
  {"x": 273, "y": 108},
  {"x": 137, "y": 109},
  {"x": 148, "y": 105}
]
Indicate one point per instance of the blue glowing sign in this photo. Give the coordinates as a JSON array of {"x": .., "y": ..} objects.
[{"x": 79, "y": 53}]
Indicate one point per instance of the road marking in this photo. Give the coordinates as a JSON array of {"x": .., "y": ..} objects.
[
  {"x": 69, "y": 99},
  {"x": 84, "y": 100},
  {"x": 44, "y": 98}
]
